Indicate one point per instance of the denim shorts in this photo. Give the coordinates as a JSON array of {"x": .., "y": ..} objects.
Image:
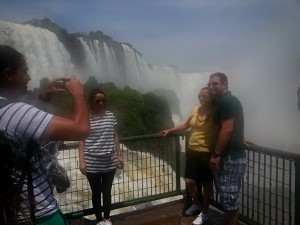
[{"x": 228, "y": 181}]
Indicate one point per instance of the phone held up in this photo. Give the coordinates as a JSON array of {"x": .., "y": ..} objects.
[{"x": 61, "y": 84}]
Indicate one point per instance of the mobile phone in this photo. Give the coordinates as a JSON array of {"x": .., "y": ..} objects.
[{"x": 61, "y": 84}]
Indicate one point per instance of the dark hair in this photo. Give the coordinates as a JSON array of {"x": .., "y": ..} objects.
[
  {"x": 222, "y": 76},
  {"x": 9, "y": 58},
  {"x": 92, "y": 94}
]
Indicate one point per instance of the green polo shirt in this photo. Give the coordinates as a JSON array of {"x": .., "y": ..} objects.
[{"x": 227, "y": 107}]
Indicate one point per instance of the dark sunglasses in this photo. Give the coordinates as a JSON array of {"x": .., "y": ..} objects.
[{"x": 100, "y": 101}]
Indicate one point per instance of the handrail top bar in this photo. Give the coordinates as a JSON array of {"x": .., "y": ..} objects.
[
  {"x": 150, "y": 136},
  {"x": 252, "y": 147},
  {"x": 273, "y": 152},
  {"x": 74, "y": 144}
]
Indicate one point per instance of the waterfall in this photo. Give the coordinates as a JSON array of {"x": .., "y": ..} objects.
[
  {"x": 45, "y": 55},
  {"x": 118, "y": 62}
]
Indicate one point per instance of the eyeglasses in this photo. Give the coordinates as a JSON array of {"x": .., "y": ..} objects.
[
  {"x": 100, "y": 101},
  {"x": 213, "y": 84}
]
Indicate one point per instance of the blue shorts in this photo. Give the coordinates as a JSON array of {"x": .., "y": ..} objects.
[{"x": 228, "y": 181}]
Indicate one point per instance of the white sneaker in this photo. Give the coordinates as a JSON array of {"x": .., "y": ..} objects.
[
  {"x": 201, "y": 219},
  {"x": 192, "y": 210},
  {"x": 100, "y": 223},
  {"x": 106, "y": 222}
]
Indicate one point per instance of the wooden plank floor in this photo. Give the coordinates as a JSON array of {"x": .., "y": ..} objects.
[{"x": 164, "y": 214}]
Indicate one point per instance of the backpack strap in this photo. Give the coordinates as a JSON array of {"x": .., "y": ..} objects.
[
  {"x": 31, "y": 145},
  {"x": 4, "y": 102}
]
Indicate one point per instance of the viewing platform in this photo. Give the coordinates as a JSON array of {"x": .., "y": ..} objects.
[
  {"x": 149, "y": 189},
  {"x": 163, "y": 214}
]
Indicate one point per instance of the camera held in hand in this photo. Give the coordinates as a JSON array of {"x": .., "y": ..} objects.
[{"x": 61, "y": 84}]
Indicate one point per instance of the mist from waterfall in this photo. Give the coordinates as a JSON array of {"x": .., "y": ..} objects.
[{"x": 265, "y": 81}]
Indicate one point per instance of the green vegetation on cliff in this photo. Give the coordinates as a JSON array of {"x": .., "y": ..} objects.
[{"x": 136, "y": 113}]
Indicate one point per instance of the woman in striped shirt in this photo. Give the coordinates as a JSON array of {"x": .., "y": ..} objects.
[{"x": 99, "y": 154}]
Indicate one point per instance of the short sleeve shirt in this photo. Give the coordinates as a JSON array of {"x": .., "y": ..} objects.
[
  {"x": 99, "y": 147},
  {"x": 201, "y": 132},
  {"x": 21, "y": 122},
  {"x": 227, "y": 107}
]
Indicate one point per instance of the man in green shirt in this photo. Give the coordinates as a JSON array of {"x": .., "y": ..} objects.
[{"x": 228, "y": 160}]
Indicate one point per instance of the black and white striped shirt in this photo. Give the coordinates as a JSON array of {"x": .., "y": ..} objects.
[
  {"x": 20, "y": 123},
  {"x": 99, "y": 148}
]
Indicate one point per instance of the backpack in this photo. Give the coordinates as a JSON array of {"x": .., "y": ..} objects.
[
  {"x": 57, "y": 173},
  {"x": 11, "y": 188},
  {"x": 12, "y": 159}
]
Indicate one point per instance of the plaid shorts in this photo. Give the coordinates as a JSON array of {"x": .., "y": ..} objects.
[{"x": 228, "y": 181}]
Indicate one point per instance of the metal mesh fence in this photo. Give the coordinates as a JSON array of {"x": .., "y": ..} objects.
[
  {"x": 152, "y": 170},
  {"x": 149, "y": 170}
]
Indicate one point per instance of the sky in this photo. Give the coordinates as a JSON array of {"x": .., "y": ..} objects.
[
  {"x": 190, "y": 34},
  {"x": 256, "y": 42}
]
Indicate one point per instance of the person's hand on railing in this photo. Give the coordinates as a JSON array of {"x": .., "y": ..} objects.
[
  {"x": 247, "y": 142},
  {"x": 165, "y": 132}
]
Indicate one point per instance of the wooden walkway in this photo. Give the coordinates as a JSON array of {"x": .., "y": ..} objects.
[{"x": 164, "y": 214}]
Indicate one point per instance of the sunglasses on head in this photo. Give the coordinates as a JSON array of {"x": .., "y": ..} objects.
[{"x": 100, "y": 101}]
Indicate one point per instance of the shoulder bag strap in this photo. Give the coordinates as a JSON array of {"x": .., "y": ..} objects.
[{"x": 30, "y": 148}]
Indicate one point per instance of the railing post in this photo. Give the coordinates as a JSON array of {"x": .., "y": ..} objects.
[
  {"x": 177, "y": 155},
  {"x": 297, "y": 192}
]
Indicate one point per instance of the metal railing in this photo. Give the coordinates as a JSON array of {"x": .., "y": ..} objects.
[
  {"x": 269, "y": 191},
  {"x": 151, "y": 172}
]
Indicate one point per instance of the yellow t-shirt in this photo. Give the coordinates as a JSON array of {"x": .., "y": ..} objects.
[{"x": 201, "y": 131}]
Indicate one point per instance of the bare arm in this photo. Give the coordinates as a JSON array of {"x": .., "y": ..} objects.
[
  {"x": 82, "y": 165},
  {"x": 222, "y": 142},
  {"x": 181, "y": 127},
  {"x": 117, "y": 144},
  {"x": 224, "y": 135},
  {"x": 76, "y": 127}
]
